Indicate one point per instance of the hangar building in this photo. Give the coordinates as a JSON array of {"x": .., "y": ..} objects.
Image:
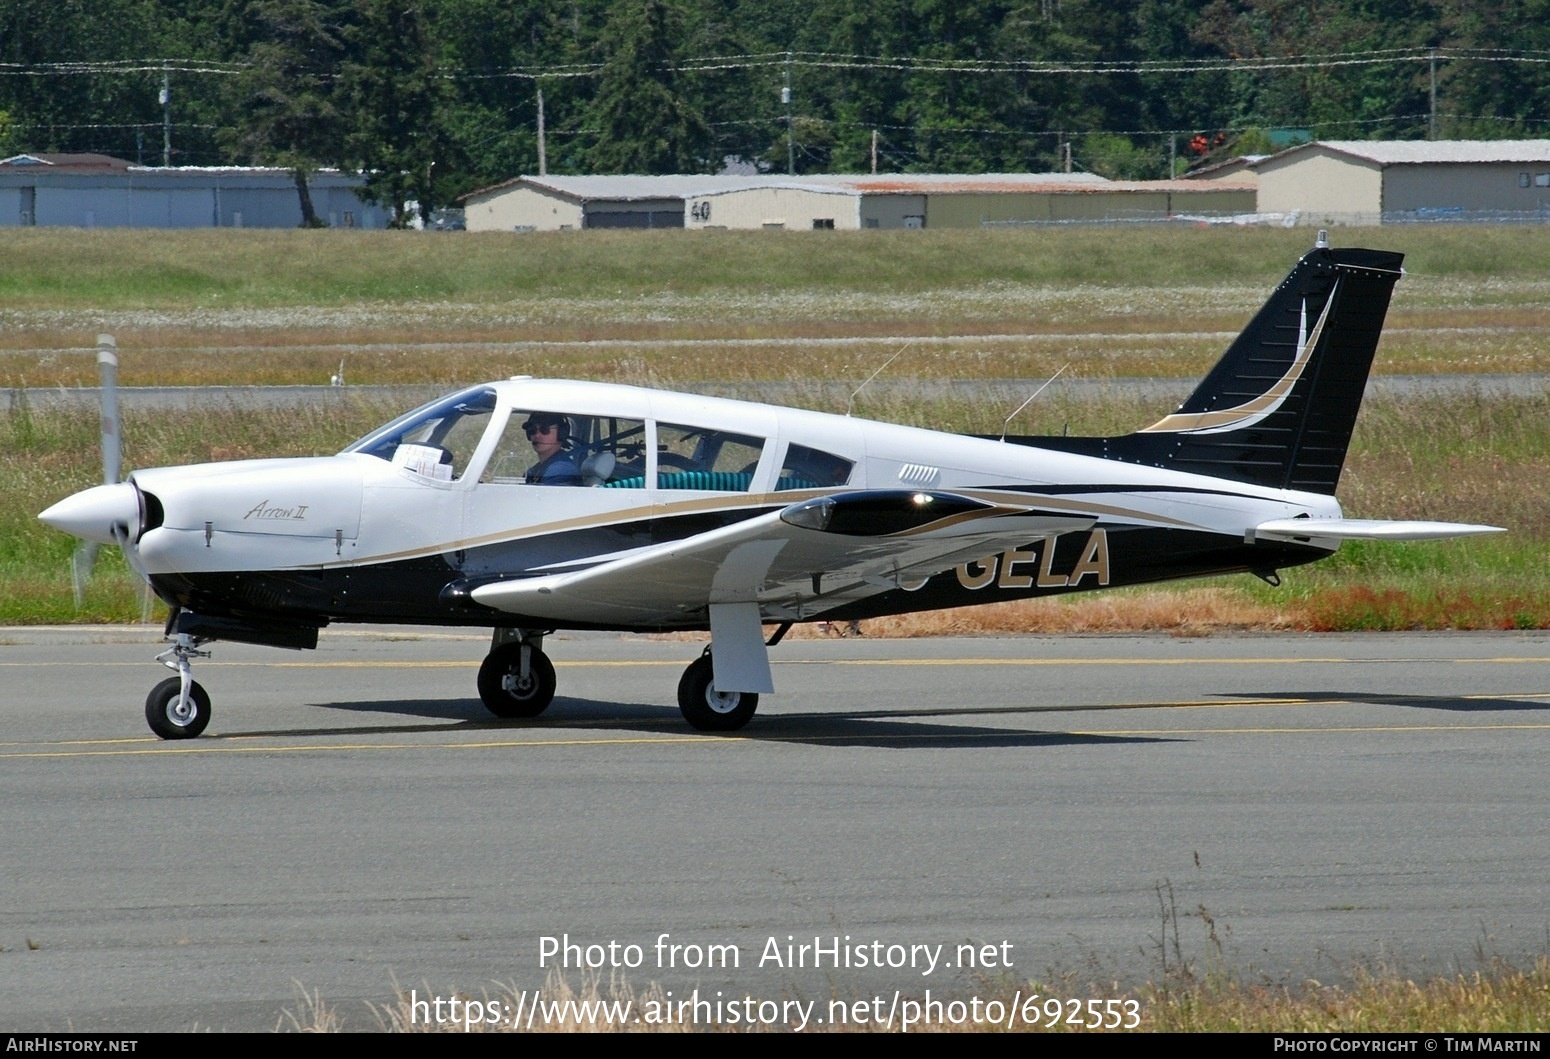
[
  {"x": 99, "y": 191},
  {"x": 1368, "y": 182},
  {"x": 839, "y": 201}
]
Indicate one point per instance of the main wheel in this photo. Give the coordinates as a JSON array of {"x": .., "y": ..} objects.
[
  {"x": 167, "y": 715},
  {"x": 710, "y": 710},
  {"x": 505, "y": 692}
]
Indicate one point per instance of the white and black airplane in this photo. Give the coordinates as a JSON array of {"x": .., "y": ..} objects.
[{"x": 534, "y": 505}]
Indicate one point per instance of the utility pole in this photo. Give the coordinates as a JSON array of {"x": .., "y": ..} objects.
[
  {"x": 166, "y": 116},
  {"x": 543, "y": 155},
  {"x": 1431, "y": 124},
  {"x": 791, "y": 147},
  {"x": 874, "y": 152}
]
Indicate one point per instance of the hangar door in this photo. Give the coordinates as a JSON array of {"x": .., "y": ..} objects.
[{"x": 657, "y": 217}]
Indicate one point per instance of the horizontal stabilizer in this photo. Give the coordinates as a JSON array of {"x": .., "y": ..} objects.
[{"x": 1367, "y": 529}]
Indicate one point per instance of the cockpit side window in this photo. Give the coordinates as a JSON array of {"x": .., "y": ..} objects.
[
  {"x": 591, "y": 450},
  {"x": 697, "y": 458},
  {"x": 435, "y": 440},
  {"x": 805, "y": 468}
]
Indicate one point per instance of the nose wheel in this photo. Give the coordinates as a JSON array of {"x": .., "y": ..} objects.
[
  {"x": 173, "y": 715},
  {"x": 178, "y": 707}
]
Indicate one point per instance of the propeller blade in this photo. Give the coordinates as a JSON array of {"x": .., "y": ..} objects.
[
  {"x": 121, "y": 534},
  {"x": 81, "y": 562},
  {"x": 85, "y": 556},
  {"x": 107, "y": 370}
]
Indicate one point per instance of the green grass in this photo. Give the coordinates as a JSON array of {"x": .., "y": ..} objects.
[
  {"x": 268, "y": 307},
  {"x": 79, "y": 269}
]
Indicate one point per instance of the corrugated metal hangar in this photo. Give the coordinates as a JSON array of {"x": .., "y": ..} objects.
[
  {"x": 839, "y": 202},
  {"x": 1366, "y": 182},
  {"x": 1331, "y": 182},
  {"x": 99, "y": 191}
]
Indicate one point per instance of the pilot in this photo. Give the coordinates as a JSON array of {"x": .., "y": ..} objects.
[{"x": 549, "y": 434}]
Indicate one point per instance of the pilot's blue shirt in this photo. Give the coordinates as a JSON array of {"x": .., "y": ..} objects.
[{"x": 558, "y": 469}]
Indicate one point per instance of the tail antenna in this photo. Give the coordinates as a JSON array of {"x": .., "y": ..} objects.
[
  {"x": 852, "y": 402},
  {"x": 1007, "y": 421}
]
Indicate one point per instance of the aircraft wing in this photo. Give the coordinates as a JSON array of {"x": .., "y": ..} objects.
[
  {"x": 794, "y": 563},
  {"x": 1343, "y": 529}
]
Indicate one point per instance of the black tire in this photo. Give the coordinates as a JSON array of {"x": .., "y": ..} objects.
[
  {"x": 526, "y": 698},
  {"x": 710, "y": 710},
  {"x": 161, "y": 710}
]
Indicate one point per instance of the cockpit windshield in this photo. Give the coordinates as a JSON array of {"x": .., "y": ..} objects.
[{"x": 437, "y": 439}]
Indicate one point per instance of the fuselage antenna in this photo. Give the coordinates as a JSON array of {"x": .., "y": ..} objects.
[
  {"x": 1005, "y": 422},
  {"x": 852, "y": 402}
]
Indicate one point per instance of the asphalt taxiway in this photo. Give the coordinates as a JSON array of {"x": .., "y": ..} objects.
[{"x": 1099, "y": 807}]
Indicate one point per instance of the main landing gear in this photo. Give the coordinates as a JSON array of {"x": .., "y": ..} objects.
[
  {"x": 708, "y": 709},
  {"x": 178, "y": 708},
  {"x": 517, "y": 680}
]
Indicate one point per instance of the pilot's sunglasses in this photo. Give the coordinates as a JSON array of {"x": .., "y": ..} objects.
[{"x": 537, "y": 428}]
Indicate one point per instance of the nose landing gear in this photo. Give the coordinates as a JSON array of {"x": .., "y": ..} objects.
[{"x": 178, "y": 707}]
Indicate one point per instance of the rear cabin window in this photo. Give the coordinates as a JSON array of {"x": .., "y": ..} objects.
[
  {"x": 697, "y": 458},
  {"x": 805, "y": 468}
]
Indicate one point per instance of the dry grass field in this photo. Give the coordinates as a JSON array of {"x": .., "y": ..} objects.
[{"x": 1498, "y": 999}]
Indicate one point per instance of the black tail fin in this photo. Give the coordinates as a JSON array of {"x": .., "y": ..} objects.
[{"x": 1279, "y": 407}]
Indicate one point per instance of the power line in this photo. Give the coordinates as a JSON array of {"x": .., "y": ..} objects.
[
  {"x": 51, "y": 126},
  {"x": 122, "y": 66},
  {"x": 839, "y": 61}
]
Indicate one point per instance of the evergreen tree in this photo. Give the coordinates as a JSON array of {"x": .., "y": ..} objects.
[
  {"x": 858, "y": 100},
  {"x": 643, "y": 119},
  {"x": 435, "y": 97},
  {"x": 289, "y": 96},
  {"x": 1356, "y": 100},
  {"x": 953, "y": 112},
  {"x": 1496, "y": 93},
  {"x": 1052, "y": 108},
  {"x": 491, "y": 48},
  {"x": 54, "y": 109},
  {"x": 395, "y": 103}
]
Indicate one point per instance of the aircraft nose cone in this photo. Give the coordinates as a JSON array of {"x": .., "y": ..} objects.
[{"x": 92, "y": 513}]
